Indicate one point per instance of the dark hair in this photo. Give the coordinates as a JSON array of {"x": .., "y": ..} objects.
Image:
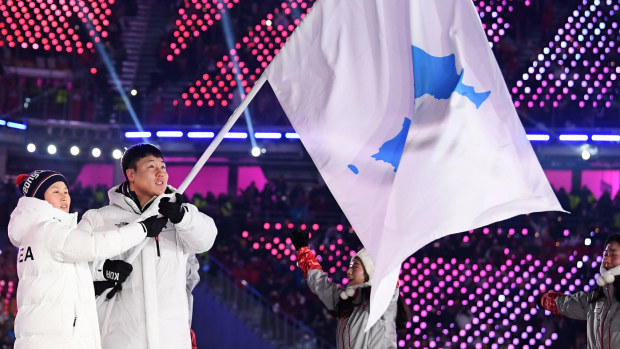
[
  {"x": 403, "y": 314},
  {"x": 612, "y": 238},
  {"x": 133, "y": 154},
  {"x": 345, "y": 307}
]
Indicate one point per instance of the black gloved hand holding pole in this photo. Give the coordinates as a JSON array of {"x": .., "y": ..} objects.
[
  {"x": 116, "y": 270},
  {"x": 174, "y": 211},
  {"x": 300, "y": 239},
  {"x": 154, "y": 225}
]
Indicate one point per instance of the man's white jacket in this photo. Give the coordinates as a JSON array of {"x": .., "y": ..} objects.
[
  {"x": 151, "y": 311},
  {"x": 55, "y": 294}
]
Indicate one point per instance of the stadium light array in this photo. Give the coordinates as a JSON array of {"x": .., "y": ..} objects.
[
  {"x": 493, "y": 15},
  {"x": 587, "y": 41},
  {"x": 577, "y": 65},
  {"x": 49, "y": 26},
  {"x": 194, "y": 18},
  {"x": 263, "y": 41}
]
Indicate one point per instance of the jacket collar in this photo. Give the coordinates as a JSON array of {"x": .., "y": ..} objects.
[
  {"x": 127, "y": 199},
  {"x": 30, "y": 212},
  {"x": 45, "y": 211}
]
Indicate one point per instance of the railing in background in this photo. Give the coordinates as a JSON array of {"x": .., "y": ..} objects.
[{"x": 278, "y": 328}]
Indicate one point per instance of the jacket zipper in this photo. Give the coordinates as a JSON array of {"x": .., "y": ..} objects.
[
  {"x": 611, "y": 300},
  {"x": 157, "y": 245},
  {"x": 603, "y": 323}
]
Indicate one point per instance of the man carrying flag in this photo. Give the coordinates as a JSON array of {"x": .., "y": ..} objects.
[{"x": 405, "y": 113}]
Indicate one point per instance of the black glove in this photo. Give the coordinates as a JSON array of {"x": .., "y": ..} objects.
[
  {"x": 154, "y": 225},
  {"x": 101, "y": 286},
  {"x": 116, "y": 270},
  {"x": 118, "y": 287},
  {"x": 174, "y": 211},
  {"x": 538, "y": 301},
  {"x": 300, "y": 239}
]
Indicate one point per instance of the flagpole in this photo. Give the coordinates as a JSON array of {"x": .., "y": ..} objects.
[{"x": 188, "y": 180}]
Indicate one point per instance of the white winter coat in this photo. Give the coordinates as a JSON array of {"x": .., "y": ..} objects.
[
  {"x": 152, "y": 309},
  {"x": 55, "y": 294}
]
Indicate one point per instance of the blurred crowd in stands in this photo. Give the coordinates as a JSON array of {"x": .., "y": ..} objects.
[
  {"x": 293, "y": 205},
  {"x": 90, "y": 96}
]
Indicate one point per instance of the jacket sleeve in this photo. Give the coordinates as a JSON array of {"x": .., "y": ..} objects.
[
  {"x": 82, "y": 244},
  {"x": 574, "y": 306},
  {"x": 318, "y": 281},
  {"x": 91, "y": 220},
  {"x": 196, "y": 231}
]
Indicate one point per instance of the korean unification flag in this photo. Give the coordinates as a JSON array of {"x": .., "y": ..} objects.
[{"x": 404, "y": 111}]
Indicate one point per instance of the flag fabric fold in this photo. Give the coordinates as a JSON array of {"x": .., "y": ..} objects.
[{"x": 403, "y": 109}]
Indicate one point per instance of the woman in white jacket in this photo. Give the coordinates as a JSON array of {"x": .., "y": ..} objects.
[{"x": 55, "y": 295}]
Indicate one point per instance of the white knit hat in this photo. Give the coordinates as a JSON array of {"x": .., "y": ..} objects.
[
  {"x": 369, "y": 266},
  {"x": 368, "y": 263}
]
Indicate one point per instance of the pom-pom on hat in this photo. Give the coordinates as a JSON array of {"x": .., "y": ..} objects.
[{"x": 36, "y": 183}]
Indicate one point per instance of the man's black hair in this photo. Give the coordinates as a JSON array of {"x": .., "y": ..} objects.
[{"x": 133, "y": 154}]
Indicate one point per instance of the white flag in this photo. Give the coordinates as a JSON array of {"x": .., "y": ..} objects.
[{"x": 404, "y": 111}]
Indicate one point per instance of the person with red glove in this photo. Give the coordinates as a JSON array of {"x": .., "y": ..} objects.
[
  {"x": 350, "y": 304},
  {"x": 599, "y": 307}
]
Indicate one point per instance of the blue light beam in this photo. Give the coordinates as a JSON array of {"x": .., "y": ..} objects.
[
  {"x": 99, "y": 47},
  {"x": 228, "y": 35}
]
